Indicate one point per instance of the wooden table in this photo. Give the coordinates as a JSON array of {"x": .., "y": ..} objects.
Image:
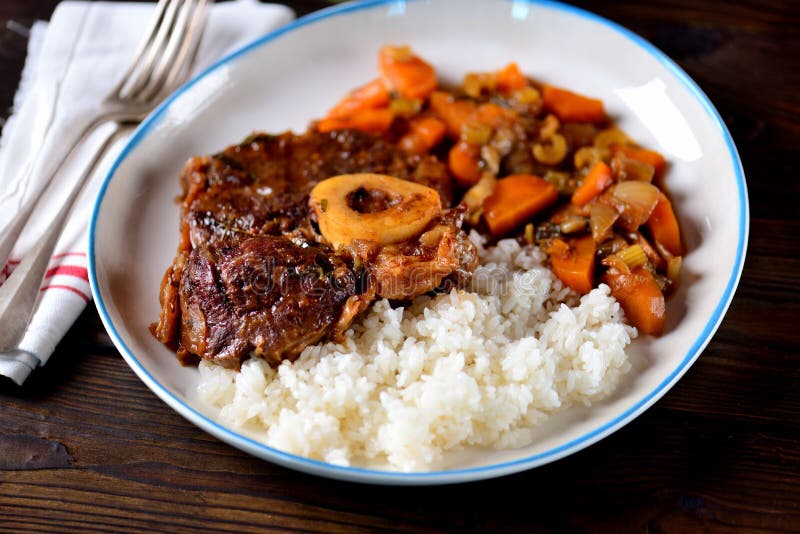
[{"x": 84, "y": 445}]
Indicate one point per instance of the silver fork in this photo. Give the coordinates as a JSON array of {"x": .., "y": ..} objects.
[{"x": 161, "y": 63}]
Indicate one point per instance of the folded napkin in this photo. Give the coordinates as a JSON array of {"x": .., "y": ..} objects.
[{"x": 73, "y": 62}]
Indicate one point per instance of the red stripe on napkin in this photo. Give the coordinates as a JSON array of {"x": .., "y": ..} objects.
[
  {"x": 69, "y": 270},
  {"x": 8, "y": 268},
  {"x": 53, "y": 257},
  {"x": 78, "y": 292},
  {"x": 65, "y": 254}
]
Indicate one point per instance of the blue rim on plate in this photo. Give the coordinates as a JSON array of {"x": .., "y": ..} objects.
[{"x": 457, "y": 475}]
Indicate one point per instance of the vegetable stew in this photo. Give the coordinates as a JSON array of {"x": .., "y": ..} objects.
[{"x": 537, "y": 162}]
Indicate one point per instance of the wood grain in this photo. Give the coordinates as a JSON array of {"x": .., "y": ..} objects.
[{"x": 85, "y": 446}]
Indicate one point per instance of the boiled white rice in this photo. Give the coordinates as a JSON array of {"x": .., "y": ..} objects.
[{"x": 468, "y": 368}]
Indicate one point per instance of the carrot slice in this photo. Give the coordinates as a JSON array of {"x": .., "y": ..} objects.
[
  {"x": 510, "y": 79},
  {"x": 640, "y": 297},
  {"x": 453, "y": 112},
  {"x": 368, "y": 120},
  {"x": 597, "y": 181},
  {"x": 573, "y": 262},
  {"x": 424, "y": 133},
  {"x": 407, "y": 74},
  {"x": 651, "y": 157},
  {"x": 457, "y": 112},
  {"x": 569, "y": 106},
  {"x": 369, "y": 96},
  {"x": 516, "y": 199},
  {"x": 664, "y": 226},
  {"x": 464, "y": 160},
  {"x": 494, "y": 115}
]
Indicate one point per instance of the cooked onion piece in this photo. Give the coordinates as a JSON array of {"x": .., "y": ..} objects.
[
  {"x": 601, "y": 219},
  {"x": 638, "y": 199},
  {"x": 477, "y": 195},
  {"x": 674, "y": 270},
  {"x": 373, "y": 207},
  {"x": 626, "y": 168}
]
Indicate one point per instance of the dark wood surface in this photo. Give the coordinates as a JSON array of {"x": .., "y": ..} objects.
[{"x": 84, "y": 445}]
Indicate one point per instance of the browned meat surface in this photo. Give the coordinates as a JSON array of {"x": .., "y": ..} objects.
[
  {"x": 166, "y": 329},
  {"x": 261, "y": 186},
  {"x": 266, "y": 296},
  {"x": 245, "y": 212},
  {"x": 442, "y": 256}
]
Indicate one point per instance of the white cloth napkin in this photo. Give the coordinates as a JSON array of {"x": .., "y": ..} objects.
[{"x": 73, "y": 62}]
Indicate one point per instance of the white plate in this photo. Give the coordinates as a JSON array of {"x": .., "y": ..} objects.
[{"x": 288, "y": 77}]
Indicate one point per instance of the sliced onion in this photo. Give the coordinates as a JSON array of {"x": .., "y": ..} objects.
[
  {"x": 601, "y": 218},
  {"x": 652, "y": 255},
  {"x": 638, "y": 200},
  {"x": 625, "y": 168},
  {"x": 573, "y": 224},
  {"x": 491, "y": 159},
  {"x": 476, "y": 195}
]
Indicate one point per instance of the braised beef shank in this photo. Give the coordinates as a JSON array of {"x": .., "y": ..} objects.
[
  {"x": 266, "y": 296},
  {"x": 252, "y": 277}
]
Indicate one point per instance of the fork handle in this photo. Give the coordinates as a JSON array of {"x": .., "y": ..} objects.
[
  {"x": 13, "y": 230},
  {"x": 18, "y": 294}
]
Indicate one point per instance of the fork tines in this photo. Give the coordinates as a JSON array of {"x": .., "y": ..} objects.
[{"x": 160, "y": 59}]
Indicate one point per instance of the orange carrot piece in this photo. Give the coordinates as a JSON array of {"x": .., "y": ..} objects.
[
  {"x": 569, "y": 106},
  {"x": 664, "y": 226},
  {"x": 651, "y": 157},
  {"x": 424, "y": 133},
  {"x": 407, "y": 74},
  {"x": 453, "y": 112},
  {"x": 516, "y": 199},
  {"x": 597, "y": 181},
  {"x": 368, "y": 120},
  {"x": 464, "y": 160},
  {"x": 494, "y": 115},
  {"x": 640, "y": 297},
  {"x": 457, "y": 112},
  {"x": 574, "y": 264},
  {"x": 510, "y": 79},
  {"x": 373, "y": 95}
]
